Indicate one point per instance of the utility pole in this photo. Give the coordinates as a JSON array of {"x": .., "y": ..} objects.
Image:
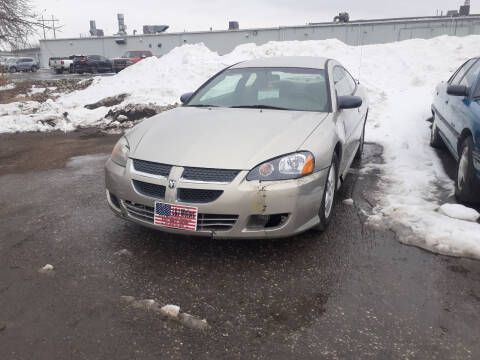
[
  {"x": 53, "y": 26},
  {"x": 43, "y": 27}
]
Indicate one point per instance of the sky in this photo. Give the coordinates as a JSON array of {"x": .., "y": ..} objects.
[{"x": 193, "y": 15}]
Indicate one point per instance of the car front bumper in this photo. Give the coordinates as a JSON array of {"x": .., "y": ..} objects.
[{"x": 297, "y": 201}]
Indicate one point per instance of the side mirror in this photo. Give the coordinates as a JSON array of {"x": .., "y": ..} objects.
[
  {"x": 349, "y": 102},
  {"x": 185, "y": 97},
  {"x": 458, "y": 90}
]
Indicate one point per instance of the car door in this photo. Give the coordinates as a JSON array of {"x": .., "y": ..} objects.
[
  {"x": 21, "y": 64},
  {"x": 463, "y": 109},
  {"x": 345, "y": 85},
  {"x": 443, "y": 104}
]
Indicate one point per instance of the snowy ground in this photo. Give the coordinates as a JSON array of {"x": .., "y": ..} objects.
[{"x": 400, "y": 77}]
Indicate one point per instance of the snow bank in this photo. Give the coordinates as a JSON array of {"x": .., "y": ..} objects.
[{"x": 401, "y": 78}]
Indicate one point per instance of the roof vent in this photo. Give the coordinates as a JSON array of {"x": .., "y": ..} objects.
[{"x": 233, "y": 25}]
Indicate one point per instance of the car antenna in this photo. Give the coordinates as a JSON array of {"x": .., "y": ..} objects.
[{"x": 360, "y": 44}]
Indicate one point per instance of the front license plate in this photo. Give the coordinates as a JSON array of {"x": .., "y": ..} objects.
[{"x": 176, "y": 216}]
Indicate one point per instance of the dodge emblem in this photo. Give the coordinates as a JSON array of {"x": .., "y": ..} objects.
[{"x": 172, "y": 184}]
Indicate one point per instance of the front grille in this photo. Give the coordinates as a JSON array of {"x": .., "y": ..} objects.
[
  {"x": 206, "y": 222},
  {"x": 151, "y": 190},
  {"x": 211, "y": 222},
  {"x": 139, "y": 211},
  {"x": 209, "y": 175},
  {"x": 198, "y": 196},
  {"x": 152, "y": 168}
]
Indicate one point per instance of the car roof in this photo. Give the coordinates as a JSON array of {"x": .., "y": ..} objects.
[{"x": 310, "y": 62}]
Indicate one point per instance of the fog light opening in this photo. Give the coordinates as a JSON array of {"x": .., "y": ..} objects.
[
  {"x": 276, "y": 220},
  {"x": 114, "y": 200},
  {"x": 257, "y": 222}
]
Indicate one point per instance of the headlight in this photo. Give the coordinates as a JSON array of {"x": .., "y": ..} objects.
[
  {"x": 129, "y": 62},
  {"x": 120, "y": 152},
  {"x": 292, "y": 166}
]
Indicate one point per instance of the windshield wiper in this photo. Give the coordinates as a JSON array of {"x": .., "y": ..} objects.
[
  {"x": 258, "y": 107},
  {"x": 202, "y": 105}
]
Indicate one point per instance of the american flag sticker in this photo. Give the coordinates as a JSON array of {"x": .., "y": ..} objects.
[{"x": 176, "y": 216}]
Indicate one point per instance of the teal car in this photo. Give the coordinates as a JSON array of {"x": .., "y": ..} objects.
[{"x": 456, "y": 125}]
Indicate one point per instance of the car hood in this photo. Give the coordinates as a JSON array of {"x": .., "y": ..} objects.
[{"x": 220, "y": 137}]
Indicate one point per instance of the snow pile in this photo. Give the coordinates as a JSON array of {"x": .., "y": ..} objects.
[
  {"x": 7, "y": 87},
  {"x": 457, "y": 211},
  {"x": 401, "y": 78}
]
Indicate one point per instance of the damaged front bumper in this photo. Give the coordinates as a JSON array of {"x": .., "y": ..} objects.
[{"x": 245, "y": 209}]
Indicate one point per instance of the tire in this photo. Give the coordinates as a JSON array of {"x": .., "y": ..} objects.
[
  {"x": 70, "y": 69},
  {"x": 467, "y": 184},
  {"x": 328, "y": 199},
  {"x": 94, "y": 69},
  {"x": 80, "y": 72},
  {"x": 436, "y": 140},
  {"x": 59, "y": 71},
  {"x": 13, "y": 69},
  {"x": 34, "y": 68},
  {"x": 359, "y": 153}
]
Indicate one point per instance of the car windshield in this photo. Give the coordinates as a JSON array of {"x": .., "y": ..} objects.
[
  {"x": 11, "y": 61},
  {"x": 266, "y": 88},
  {"x": 132, "y": 54}
]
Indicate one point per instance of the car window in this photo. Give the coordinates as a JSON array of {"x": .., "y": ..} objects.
[
  {"x": 279, "y": 88},
  {"x": 94, "y": 57},
  {"x": 225, "y": 87},
  {"x": 471, "y": 76},
  {"x": 344, "y": 83},
  {"x": 458, "y": 76}
]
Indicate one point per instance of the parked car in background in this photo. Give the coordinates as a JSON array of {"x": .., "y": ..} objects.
[
  {"x": 92, "y": 64},
  {"x": 258, "y": 151},
  {"x": 3, "y": 63},
  {"x": 130, "y": 58},
  {"x": 456, "y": 124},
  {"x": 22, "y": 64},
  {"x": 62, "y": 64}
]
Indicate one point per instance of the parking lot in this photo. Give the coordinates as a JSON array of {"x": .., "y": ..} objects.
[
  {"x": 353, "y": 292},
  {"x": 45, "y": 74}
]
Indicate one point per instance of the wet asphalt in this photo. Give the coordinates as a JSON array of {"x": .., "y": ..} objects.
[{"x": 353, "y": 292}]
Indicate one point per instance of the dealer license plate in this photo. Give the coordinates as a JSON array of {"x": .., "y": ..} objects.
[{"x": 176, "y": 216}]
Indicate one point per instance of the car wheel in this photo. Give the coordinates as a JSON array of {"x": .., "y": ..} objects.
[
  {"x": 359, "y": 153},
  {"x": 80, "y": 72},
  {"x": 13, "y": 69},
  {"x": 436, "y": 140},
  {"x": 94, "y": 69},
  {"x": 70, "y": 70},
  {"x": 34, "y": 68},
  {"x": 467, "y": 184},
  {"x": 59, "y": 71},
  {"x": 328, "y": 199}
]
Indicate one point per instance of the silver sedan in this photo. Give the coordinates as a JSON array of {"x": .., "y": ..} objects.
[{"x": 258, "y": 151}]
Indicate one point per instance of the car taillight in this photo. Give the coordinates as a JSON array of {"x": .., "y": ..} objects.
[
  {"x": 61, "y": 62},
  {"x": 84, "y": 59}
]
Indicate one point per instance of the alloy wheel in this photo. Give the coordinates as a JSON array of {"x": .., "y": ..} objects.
[
  {"x": 330, "y": 192},
  {"x": 463, "y": 169}
]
